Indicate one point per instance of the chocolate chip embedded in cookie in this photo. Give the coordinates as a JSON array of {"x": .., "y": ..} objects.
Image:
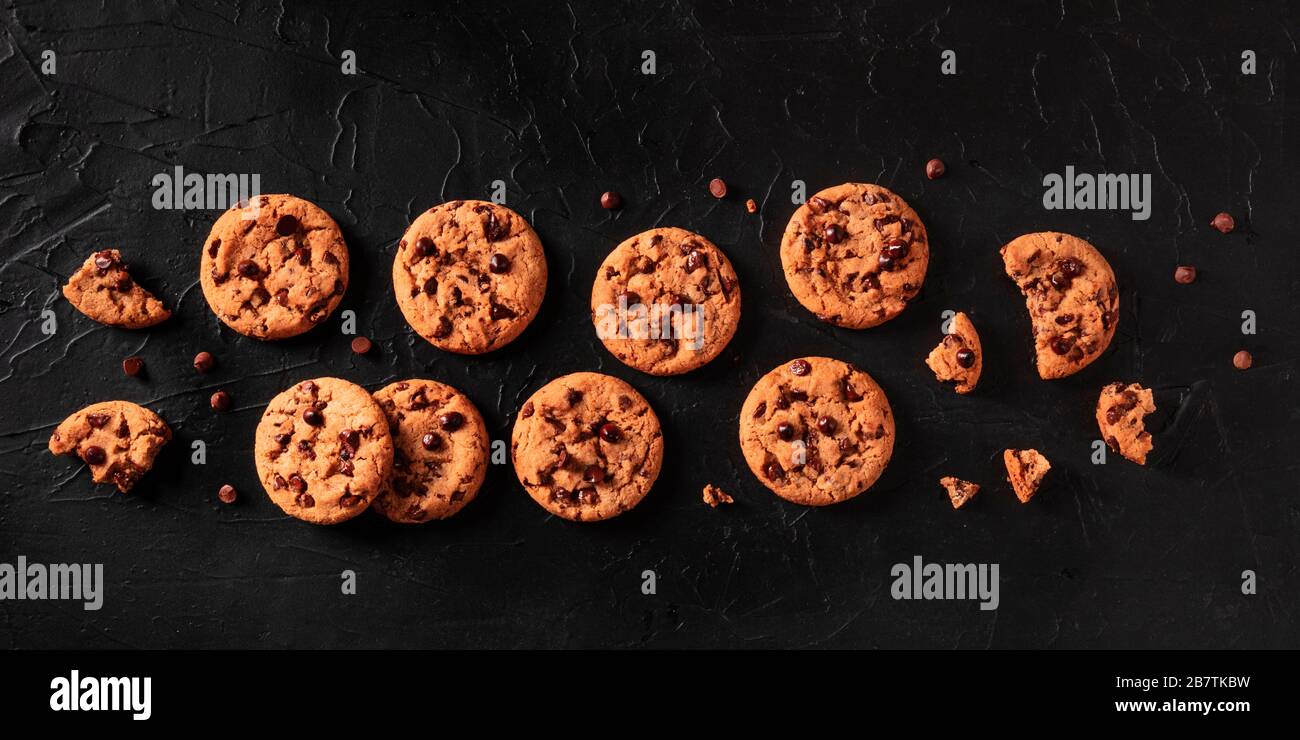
[
  {"x": 959, "y": 358},
  {"x": 1120, "y": 413},
  {"x": 587, "y": 447},
  {"x": 274, "y": 267},
  {"x": 103, "y": 290},
  {"x": 959, "y": 491},
  {"x": 1073, "y": 302},
  {"x": 817, "y": 431},
  {"x": 117, "y": 439},
  {"x": 323, "y": 450},
  {"x": 666, "y": 301},
  {"x": 440, "y": 451},
  {"x": 1025, "y": 470},
  {"x": 469, "y": 276},
  {"x": 855, "y": 255}
]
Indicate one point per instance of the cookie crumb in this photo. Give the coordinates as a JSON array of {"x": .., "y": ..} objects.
[
  {"x": 610, "y": 200},
  {"x": 227, "y": 494},
  {"x": 203, "y": 362},
  {"x": 713, "y": 496},
  {"x": 959, "y": 491},
  {"x": 1185, "y": 274},
  {"x": 1242, "y": 360},
  {"x": 718, "y": 187},
  {"x": 1224, "y": 223},
  {"x": 1025, "y": 470},
  {"x": 751, "y": 206},
  {"x": 132, "y": 366},
  {"x": 934, "y": 169},
  {"x": 361, "y": 345}
]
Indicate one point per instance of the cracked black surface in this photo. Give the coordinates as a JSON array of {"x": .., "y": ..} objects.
[{"x": 552, "y": 102}]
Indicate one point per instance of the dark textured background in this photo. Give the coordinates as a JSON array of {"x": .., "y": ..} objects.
[{"x": 551, "y": 100}]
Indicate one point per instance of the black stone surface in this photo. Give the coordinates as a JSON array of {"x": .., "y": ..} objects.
[{"x": 550, "y": 99}]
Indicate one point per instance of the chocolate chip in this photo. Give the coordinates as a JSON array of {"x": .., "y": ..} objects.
[
  {"x": 826, "y": 425},
  {"x": 897, "y": 249},
  {"x": 308, "y": 386},
  {"x": 1071, "y": 267},
  {"x": 1185, "y": 275},
  {"x": 313, "y": 417},
  {"x": 1113, "y": 415},
  {"x": 819, "y": 204},
  {"x": 593, "y": 474},
  {"x": 610, "y": 432},
  {"x": 431, "y": 441},
  {"x": 588, "y": 496},
  {"x": 104, "y": 260},
  {"x": 227, "y": 494},
  {"x": 220, "y": 401},
  {"x": 527, "y": 410},
  {"x": 283, "y": 439},
  {"x": 934, "y": 169},
  {"x": 499, "y": 264},
  {"x": 248, "y": 269},
  {"x": 125, "y": 283},
  {"x": 1242, "y": 360},
  {"x": 94, "y": 455},
  {"x": 431, "y": 286},
  {"x": 751, "y": 206},
  {"x": 451, "y": 421},
  {"x": 782, "y": 402},
  {"x": 303, "y": 255},
  {"x": 286, "y": 225},
  {"x": 1224, "y": 223},
  {"x": 361, "y": 345},
  {"x": 1060, "y": 280},
  {"x": 694, "y": 260},
  {"x": 785, "y": 430},
  {"x": 610, "y": 200},
  {"x": 760, "y": 409},
  {"x": 645, "y": 265},
  {"x": 443, "y": 328},
  {"x": 966, "y": 357},
  {"x": 718, "y": 188},
  {"x": 1064, "y": 319},
  {"x": 885, "y": 262},
  {"x": 350, "y": 438},
  {"x": 773, "y": 471},
  {"x": 573, "y": 396},
  {"x": 1061, "y": 345},
  {"x": 132, "y": 366},
  {"x": 305, "y": 500},
  {"x": 347, "y": 468},
  {"x": 849, "y": 393},
  {"x": 560, "y": 494},
  {"x": 213, "y": 247},
  {"x": 424, "y": 247},
  {"x": 499, "y": 312},
  {"x": 98, "y": 421},
  {"x": 495, "y": 230},
  {"x": 297, "y": 483},
  {"x": 800, "y": 367},
  {"x": 834, "y": 233},
  {"x": 349, "y": 500}
]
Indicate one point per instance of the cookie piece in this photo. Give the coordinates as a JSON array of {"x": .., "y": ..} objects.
[
  {"x": 440, "y": 451},
  {"x": 817, "y": 431},
  {"x": 469, "y": 276},
  {"x": 714, "y": 496},
  {"x": 1120, "y": 413},
  {"x": 855, "y": 254},
  {"x": 665, "y": 301},
  {"x": 1073, "y": 302},
  {"x": 587, "y": 447},
  {"x": 274, "y": 267},
  {"x": 103, "y": 290},
  {"x": 1025, "y": 470},
  {"x": 959, "y": 358},
  {"x": 959, "y": 491},
  {"x": 323, "y": 450},
  {"x": 117, "y": 439}
]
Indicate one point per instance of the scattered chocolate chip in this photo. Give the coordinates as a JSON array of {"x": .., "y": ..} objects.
[
  {"x": 132, "y": 366},
  {"x": 431, "y": 441},
  {"x": 220, "y": 401},
  {"x": 718, "y": 188},
  {"x": 286, "y": 225},
  {"x": 934, "y": 169},
  {"x": 227, "y": 494},
  {"x": 499, "y": 264},
  {"x": 94, "y": 455},
  {"x": 248, "y": 269},
  {"x": 834, "y": 233},
  {"x": 313, "y": 417},
  {"x": 785, "y": 430},
  {"x": 610, "y": 200},
  {"x": 1185, "y": 275},
  {"x": 800, "y": 367},
  {"x": 361, "y": 345},
  {"x": 1242, "y": 360},
  {"x": 1224, "y": 223},
  {"x": 610, "y": 432},
  {"x": 966, "y": 357},
  {"x": 451, "y": 421},
  {"x": 751, "y": 206}
]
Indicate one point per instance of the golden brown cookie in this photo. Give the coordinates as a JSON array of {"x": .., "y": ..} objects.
[
  {"x": 959, "y": 358},
  {"x": 117, "y": 439},
  {"x": 1072, "y": 298},
  {"x": 855, "y": 254},
  {"x": 1025, "y": 470},
  {"x": 102, "y": 289},
  {"x": 440, "y": 451},
  {"x": 959, "y": 491},
  {"x": 587, "y": 447},
  {"x": 1120, "y": 412},
  {"x": 469, "y": 276},
  {"x": 665, "y": 301},
  {"x": 817, "y": 431},
  {"x": 274, "y": 267},
  {"x": 323, "y": 450}
]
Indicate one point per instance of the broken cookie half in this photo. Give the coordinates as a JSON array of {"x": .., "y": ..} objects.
[
  {"x": 959, "y": 358},
  {"x": 1025, "y": 470},
  {"x": 104, "y": 291},
  {"x": 959, "y": 491},
  {"x": 117, "y": 439},
  {"x": 1121, "y": 410}
]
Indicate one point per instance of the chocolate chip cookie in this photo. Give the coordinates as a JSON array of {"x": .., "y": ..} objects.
[
  {"x": 959, "y": 491},
  {"x": 117, "y": 439},
  {"x": 440, "y": 451},
  {"x": 102, "y": 289},
  {"x": 587, "y": 447},
  {"x": 1120, "y": 413},
  {"x": 1073, "y": 302},
  {"x": 817, "y": 431},
  {"x": 274, "y": 267},
  {"x": 855, "y": 254},
  {"x": 959, "y": 358},
  {"x": 1025, "y": 471},
  {"x": 666, "y": 301},
  {"x": 469, "y": 276},
  {"x": 323, "y": 450}
]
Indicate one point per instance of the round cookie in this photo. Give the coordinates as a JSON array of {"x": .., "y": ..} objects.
[
  {"x": 855, "y": 255},
  {"x": 323, "y": 450},
  {"x": 665, "y": 275},
  {"x": 1071, "y": 295},
  {"x": 440, "y": 451},
  {"x": 817, "y": 431},
  {"x": 469, "y": 276},
  {"x": 274, "y": 267},
  {"x": 118, "y": 440},
  {"x": 587, "y": 447}
]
